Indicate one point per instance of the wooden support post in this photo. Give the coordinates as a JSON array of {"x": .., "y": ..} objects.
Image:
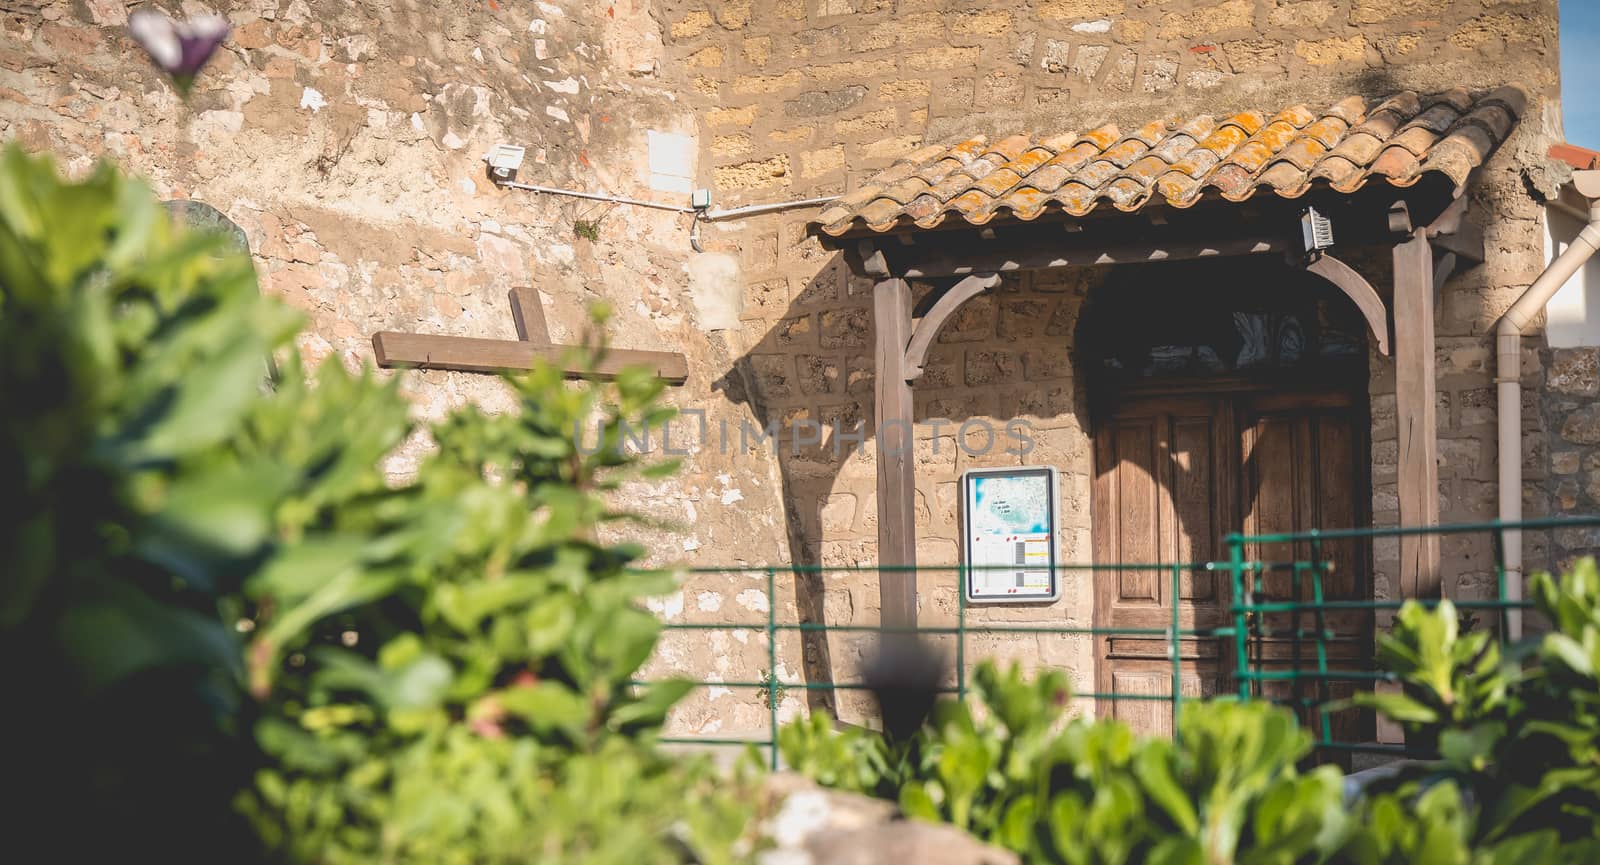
[
  {"x": 897, "y": 529},
  {"x": 527, "y": 313},
  {"x": 1416, "y": 414}
]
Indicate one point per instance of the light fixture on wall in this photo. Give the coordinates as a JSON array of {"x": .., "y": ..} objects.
[
  {"x": 504, "y": 160},
  {"x": 1316, "y": 231}
]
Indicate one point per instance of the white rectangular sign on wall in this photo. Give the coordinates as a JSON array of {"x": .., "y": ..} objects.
[{"x": 1008, "y": 524}]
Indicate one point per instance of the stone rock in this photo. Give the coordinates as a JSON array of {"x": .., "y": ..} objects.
[
  {"x": 1573, "y": 371},
  {"x": 813, "y": 826},
  {"x": 1582, "y": 426},
  {"x": 907, "y": 841}
]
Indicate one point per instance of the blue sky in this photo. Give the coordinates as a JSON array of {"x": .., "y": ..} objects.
[{"x": 1580, "y": 71}]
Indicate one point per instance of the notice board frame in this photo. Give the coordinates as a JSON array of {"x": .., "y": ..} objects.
[{"x": 1053, "y": 504}]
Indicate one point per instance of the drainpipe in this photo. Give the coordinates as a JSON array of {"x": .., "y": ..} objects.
[{"x": 1508, "y": 368}]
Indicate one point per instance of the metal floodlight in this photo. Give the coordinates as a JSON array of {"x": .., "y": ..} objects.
[
  {"x": 1316, "y": 230},
  {"x": 504, "y": 160}
]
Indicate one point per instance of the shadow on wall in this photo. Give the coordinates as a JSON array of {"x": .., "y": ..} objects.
[{"x": 808, "y": 380}]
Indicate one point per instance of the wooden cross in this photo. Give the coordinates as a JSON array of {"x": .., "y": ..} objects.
[{"x": 473, "y": 354}]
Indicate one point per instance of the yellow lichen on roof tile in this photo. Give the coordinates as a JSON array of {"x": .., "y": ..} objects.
[{"x": 1397, "y": 139}]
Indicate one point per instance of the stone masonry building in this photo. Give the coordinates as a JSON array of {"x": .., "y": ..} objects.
[{"x": 346, "y": 140}]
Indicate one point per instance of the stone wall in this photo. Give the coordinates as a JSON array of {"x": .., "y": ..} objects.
[
  {"x": 1571, "y": 403},
  {"x": 345, "y": 139}
]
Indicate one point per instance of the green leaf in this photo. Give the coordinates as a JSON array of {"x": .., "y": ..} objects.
[
  {"x": 1397, "y": 707},
  {"x": 918, "y": 803},
  {"x": 649, "y": 710},
  {"x": 211, "y": 523},
  {"x": 118, "y": 632},
  {"x": 1161, "y": 785},
  {"x": 547, "y": 707}
]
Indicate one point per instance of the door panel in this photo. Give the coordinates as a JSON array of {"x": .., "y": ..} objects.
[
  {"x": 1162, "y": 474},
  {"x": 1301, "y": 469}
]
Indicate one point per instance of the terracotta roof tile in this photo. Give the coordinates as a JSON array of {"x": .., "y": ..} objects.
[
  {"x": 1359, "y": 147},
  {"x": 1397, "y": 139},
  {"x": 1581, "y": 158},
  {"x": 1102, "y": 137}
]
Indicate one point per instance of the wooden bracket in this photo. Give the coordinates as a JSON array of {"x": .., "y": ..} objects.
[
  {"x": 1444, "y": 264},
  {"x": 1358, "y": 290},
  {"x": 1400, "y": 218},
  {"x": 928, "y": 327},
  {"x": 473, "y": 354}
]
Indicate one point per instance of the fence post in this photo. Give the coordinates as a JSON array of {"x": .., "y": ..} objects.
[
  {"x": 961, "y": 632},
  {"x": 1322, "y": 636},
  {"x": 1504, "y": 614},
  {"x": 772, "y": 665},
  {"x": 1236, "y": 561},
  {"x": 1172, "y": 647}
]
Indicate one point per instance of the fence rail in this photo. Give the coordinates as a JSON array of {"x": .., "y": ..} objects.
[{"x": 1253, "y": 616}]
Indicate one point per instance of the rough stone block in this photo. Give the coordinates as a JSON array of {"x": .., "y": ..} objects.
[
  {"x": 815, "y": 163},
  {"x": 1160, "y": 74},
  {"x": 973, "y": 322},
  {"x": 1055, "y": 56},
  {"x": 1461, "y": 458},
  {"x": 692, "y": 25},
  {"x": 1000, "y": 89},
  {"x": 1301, "y": 14},
  {"x": 1582, "y": 426},
  {"x": 871, "y": 122},
  {"x": 1229, "y": 15},
  {"x": 1573, "y": 371},
  {"x": 736, "y": 144},
  {"x": 1338, "y": 49},
  {"x": 943, "y": 58},
  {"x": 988, "y": 367},
  {"x": 1058, "y": 10},
  {"x": 982, "y": 23},
  {"x": 754, "y": 174},
  {"x": 796, "y": 330},
  {"x": 844, "y": 328},
  {"x": 819, "y": 103},
  {"x": 1244, "y": 55},
  {"x": 1373, "y": 11},
  {"x": 884, "y": 148}
]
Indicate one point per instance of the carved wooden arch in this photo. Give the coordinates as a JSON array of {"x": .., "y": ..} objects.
[
  {"x": 1358, "y": 290},
  {"x": 947, "y": 304}
]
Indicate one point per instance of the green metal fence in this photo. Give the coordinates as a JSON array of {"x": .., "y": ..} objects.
[{"x": 1309, "y": 671}]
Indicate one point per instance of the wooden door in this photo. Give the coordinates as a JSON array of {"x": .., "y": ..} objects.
[
  {"x": 1303, "y": 469},
  {"x": 1174, "y": 476},
  {"x": 1164, "y": 492}
]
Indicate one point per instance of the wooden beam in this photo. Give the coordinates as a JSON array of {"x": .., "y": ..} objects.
[
  {"x": 897, "y": 481},
  {"x": 1416, "y": 414},
  {"x": 1466, "y": 243},
  {"x": 471, "y": 354},
  {"x": 1356, "y": 287},
  {"x": 527, "y": 312},
  {"x": 947, "y": 304},
  {"x": 1033, "y": 258}
]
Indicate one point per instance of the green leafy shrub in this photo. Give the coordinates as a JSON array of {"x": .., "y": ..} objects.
[
  {"x": 1010, "y": 768},
  {"x": 238, "y": 640},
  {"x": 1520, "y": 734}
]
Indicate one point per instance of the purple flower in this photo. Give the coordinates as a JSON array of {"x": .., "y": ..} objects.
[{"x": 180, "y": 48}]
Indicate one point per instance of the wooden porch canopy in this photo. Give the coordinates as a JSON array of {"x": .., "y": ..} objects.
[{"x": 1389, "y": 171}]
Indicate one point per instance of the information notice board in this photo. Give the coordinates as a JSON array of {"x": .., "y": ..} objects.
[{"x": 1008, "y": 524}]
